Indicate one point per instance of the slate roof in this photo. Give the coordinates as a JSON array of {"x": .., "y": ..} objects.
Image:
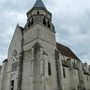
[
  {"x": 66, "y": 51},
  {"x": 39, "y": 4}
]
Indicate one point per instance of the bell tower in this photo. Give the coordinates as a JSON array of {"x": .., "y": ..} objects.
[
  {"x": 39, "y": 14},
  {"x": 39, "y": 44},
  {"x": 40, "y": 18}
]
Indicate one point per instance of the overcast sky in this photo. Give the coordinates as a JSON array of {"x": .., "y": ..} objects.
[{"x": 70, "y": 17}]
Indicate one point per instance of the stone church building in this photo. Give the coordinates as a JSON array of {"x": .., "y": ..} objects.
[{"x": 37, "y": 62}]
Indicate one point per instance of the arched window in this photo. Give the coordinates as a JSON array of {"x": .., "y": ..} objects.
[
  {"x": 29, "y": 24},
  {"x": 36, "y": 51},
  {"x": 48, "y": 24},
  {"x": 49, "y": 69},
  {"x": 12, "y": 85},
  {"x": 38, "y": 12},
  {"x": 32, "y": 21},
  {"x": 14, "y": 66},
  {"x": 44, "y": 21},
  {"x": 64, "y": 75}
]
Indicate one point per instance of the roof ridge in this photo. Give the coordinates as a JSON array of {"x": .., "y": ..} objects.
[
  {"x": 64, "y": 50},
  {"x": 63, "y": 45}
]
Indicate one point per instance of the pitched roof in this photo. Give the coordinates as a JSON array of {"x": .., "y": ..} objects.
[
  {"x": 39, "y": 4},
  {"x": 66, "y": 51}
]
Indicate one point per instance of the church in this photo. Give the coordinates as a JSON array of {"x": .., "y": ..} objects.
[{"x": 37, "y": 62}]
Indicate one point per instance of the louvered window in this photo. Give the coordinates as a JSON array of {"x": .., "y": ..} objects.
[{"x": 49, "y": 69}]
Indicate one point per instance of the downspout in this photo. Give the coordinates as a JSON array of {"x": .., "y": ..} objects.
[{"x": 19, "y": 82}]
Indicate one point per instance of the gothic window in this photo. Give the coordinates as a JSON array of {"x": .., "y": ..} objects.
[
  {"x": 12, "y": 84},
  {"x": 64, "y": 75},
  {"x": 29, "y": 24},
  {"x": 48, "y": 24},
  {"x": 38, "y": 12},
  {"x": 32, "y": 21},
  {"x": 49, "y": 69},
  {"x": 44, "y": 21}
]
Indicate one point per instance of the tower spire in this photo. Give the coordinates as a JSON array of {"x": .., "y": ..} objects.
[{"x": 39, "y": 4}]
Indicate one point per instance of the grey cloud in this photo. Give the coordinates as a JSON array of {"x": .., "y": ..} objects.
[
  {"x": 71, "y": 19},
  {"x": 76, "y": 35}
]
